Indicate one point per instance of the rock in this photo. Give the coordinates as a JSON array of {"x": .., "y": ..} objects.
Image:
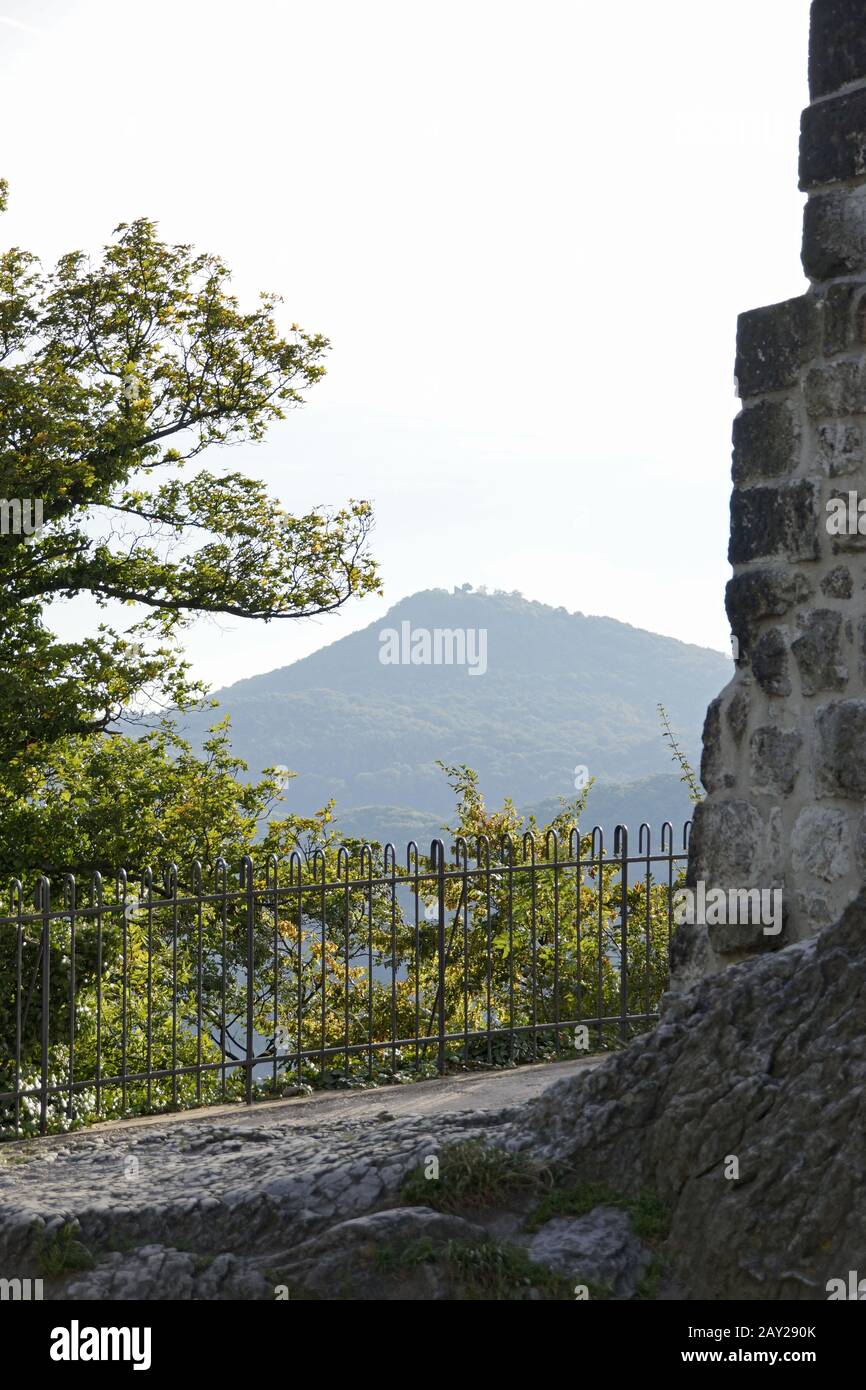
[
  {"x": 765, "y": 1062},
  {"x": 599, "y": 1248},
  {"x": 357, "y": 1259}
]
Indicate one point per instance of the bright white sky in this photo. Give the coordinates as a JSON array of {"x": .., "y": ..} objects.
[{"x": 527, "y": 226}]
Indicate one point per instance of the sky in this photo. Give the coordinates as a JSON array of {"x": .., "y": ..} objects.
[{"x": 527, "y": 229}]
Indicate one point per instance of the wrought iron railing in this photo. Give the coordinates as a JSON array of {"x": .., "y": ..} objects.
[{"x": 333, "y": 967}]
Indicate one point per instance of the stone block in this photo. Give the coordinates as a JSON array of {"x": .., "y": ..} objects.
[
  {"x": 838, "y": 389},
  {"x": 766, "y": 442},
  {"x": 841, "y": 749},
  {"x": 833, "y": 141},
  {"x": 818, "y": 652},
  {"x": 769, "y": 522},
  {"x": 838, "y": 317},
  {"x": 737, "y": 713},
  {"x": 838, "y": 583},
  {"x": 726, "y": 844},
  {"x": 759, "y": 594},
  {"x": 834, "y": 234},
  {"x": 770, "y": 663},
  {"x": 820, "y": 843},
  {"x": 840, "y": 449},
  {"x": 837, "y": 47},
  {"x": 774, "y": 343},
  {"x": 775, "y": 761}
]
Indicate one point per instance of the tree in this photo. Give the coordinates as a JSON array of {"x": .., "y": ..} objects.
[{"x": 115, "y": 378}]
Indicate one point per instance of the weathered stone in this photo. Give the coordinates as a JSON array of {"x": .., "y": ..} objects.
[
  {"x": 774, "y": 343},
  {"x": 838, "y": 583},
  {"x": 818, "y": 652},
  {"x": 599, "y": 1248},
  {"x": 775, "y": 762},
  {"x": 766, "y": 442},
  {"x": 738, "y": 713},
  {"x": 765, "y": 1062},
  {"x": 860, "y": 847},
  {"x": 713, "y": 773},
  {"x": 833, "y": 141},
  {"x": 821, "y": 843},
  {"x": 771, "y": 522},
  {"x": 759, "y": 594},
  {"x": 841, "y": 751},
  {"x": 834, "y": 234},
  {"x": 840, "y": 449},
  {"x": 837, "y": 307},
  {"x": 770, "y": 663},
  {"x": 845, "y": 525},
  {"x": 837, "y": 48},
  {"x": 726, "y": 843},
  {"x": 837, "y": 389}
]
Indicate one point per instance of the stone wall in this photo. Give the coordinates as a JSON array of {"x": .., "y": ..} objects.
[{"x": 784, "y": 760}]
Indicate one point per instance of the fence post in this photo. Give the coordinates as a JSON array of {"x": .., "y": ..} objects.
[
  {"x": 620, "y": 847},
  {"x": 438, "y": 856},
  {"x": 44, "y": 891},
  {"x": 247, "y": 872}
]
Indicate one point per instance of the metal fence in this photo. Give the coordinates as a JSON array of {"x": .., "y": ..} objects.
[{"x": 333, "y": 967}]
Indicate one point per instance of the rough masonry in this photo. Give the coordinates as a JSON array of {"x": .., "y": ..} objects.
[{"x": 784, "y": 749}]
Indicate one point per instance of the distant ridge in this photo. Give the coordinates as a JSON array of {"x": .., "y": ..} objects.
[{"x": 560, "y": 691}]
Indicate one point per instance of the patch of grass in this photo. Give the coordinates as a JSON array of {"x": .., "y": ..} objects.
[
  {"x": 471, "y": 1175},
  {"x": 502, "y": 1273},
  {"x": 62, "y": 1252},
  {"x": 649, "y": 1216},
  {"x": 390, "y": 1259},
  {"x": 648, "y": 1288}
]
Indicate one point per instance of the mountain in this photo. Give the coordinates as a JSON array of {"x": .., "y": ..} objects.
[{"x": 552, "y": 692}]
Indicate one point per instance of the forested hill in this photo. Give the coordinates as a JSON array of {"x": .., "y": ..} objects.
[{"x": 560, "y": 691}]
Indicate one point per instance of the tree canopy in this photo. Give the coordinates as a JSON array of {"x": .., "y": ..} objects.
[{"x": 116, "y": 377}]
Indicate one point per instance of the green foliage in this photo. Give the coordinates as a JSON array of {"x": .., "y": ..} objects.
[
  {"x": 62, "y": 1252},
  {"x": 688, "y": 775},
  {"x": 115, "y": 377}
]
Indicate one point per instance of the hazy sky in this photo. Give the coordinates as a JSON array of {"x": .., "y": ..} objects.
[{"x": 528, "y": 229}]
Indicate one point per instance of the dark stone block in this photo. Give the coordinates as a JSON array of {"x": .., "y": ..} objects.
[
  {"x": 837, "y": 47},
  {"x": 774, "y": 521},
  {"x": 775, "y": 761},
  {"x": 766, "y": 442},
  {"x": 840, "y": 449},
  {"x": 834, "y": 234},
  {"x": 839, "y": 389},
  {"x": 833, "y": 141},
  {"x": 713, "y": 774},
  {"x": 838, "y": 583},
  {"x": 767, "y": 593},
  {"x": 838, "y": 317},
  {"x": 737, "y": 713},
  {"x": 770, "y": 663},
  {"x": 818, "y": 652},
  {"x": 774, "y": 343},
  {"x": 841, "y": 752}
]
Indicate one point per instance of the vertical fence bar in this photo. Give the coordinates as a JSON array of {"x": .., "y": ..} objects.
[
  {"x": 45, "y": 905},
  {"x": 69, "y": 902},
  {"x": 18, "y": 900},
  {"x": 437, "y": 853},
  {"x": 620, "y": 846},
  {"x": 247, "y": 883}
]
